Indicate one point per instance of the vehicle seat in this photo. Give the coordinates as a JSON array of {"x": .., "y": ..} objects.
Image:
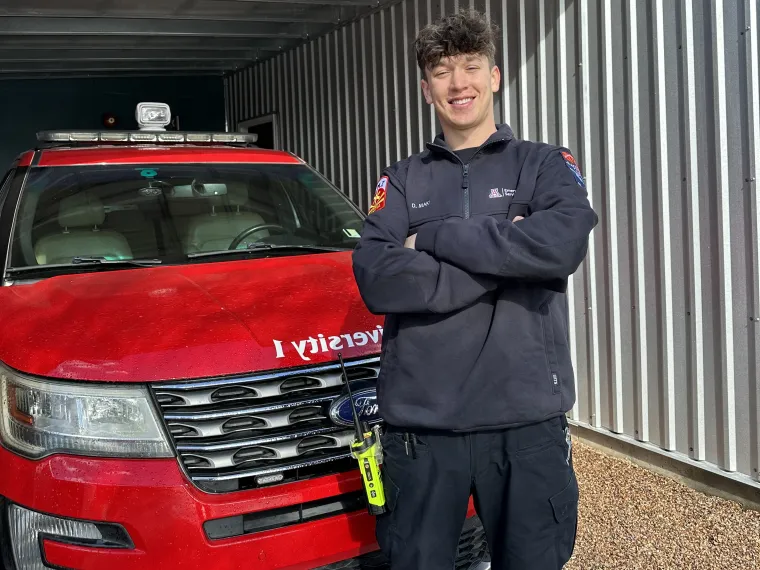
[
  {"x": 216, "y": 230},
  {"x": 79, "y": 216}
]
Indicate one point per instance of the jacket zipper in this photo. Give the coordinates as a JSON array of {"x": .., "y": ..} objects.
[
  {"x": 466, "y": 188},
  {"x": 466, "y": 170}
]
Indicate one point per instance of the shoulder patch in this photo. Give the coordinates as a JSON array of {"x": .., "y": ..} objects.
[
  {"x": 573, "y": 166},
  {"x": 378, "y": 202}
]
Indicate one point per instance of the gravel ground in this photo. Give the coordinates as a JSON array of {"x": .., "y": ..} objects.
[{"x": 631, "y": 518}]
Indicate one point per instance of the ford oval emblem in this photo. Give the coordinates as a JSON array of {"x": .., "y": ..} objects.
[{"x": 365, "y": 402}]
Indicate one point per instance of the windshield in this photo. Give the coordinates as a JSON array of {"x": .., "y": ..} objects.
[{"x": 177, "y": 213}]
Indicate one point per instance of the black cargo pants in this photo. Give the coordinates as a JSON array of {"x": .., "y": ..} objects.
[{"x": 522, "y": 482}]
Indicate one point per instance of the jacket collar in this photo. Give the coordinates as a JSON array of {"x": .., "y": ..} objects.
[{"x": 503, "y": 133}]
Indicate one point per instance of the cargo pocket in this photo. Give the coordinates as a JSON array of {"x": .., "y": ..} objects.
[
  {"x": 386, "y": 531},
  {"x": 565, "y": 508}
]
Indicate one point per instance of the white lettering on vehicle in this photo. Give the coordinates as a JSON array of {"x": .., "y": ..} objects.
[{"x": 322, "y": 344}]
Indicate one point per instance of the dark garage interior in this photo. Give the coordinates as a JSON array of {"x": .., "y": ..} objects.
[{"x": 75, "y": 64}]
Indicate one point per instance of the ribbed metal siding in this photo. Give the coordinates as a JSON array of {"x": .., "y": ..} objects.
[{"x": 660, "y": 102}]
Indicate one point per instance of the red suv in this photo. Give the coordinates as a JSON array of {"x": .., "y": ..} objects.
[{"x": 172, "y": 308}]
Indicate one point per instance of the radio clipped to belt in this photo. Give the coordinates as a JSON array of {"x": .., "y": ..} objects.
[{"x": 368, "y": 451}]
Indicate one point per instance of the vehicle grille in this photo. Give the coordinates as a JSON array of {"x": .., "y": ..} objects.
[{"x": 252, "y": 431}]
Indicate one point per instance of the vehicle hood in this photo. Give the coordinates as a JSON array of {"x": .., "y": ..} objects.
[{"x": 192, "y": 321}]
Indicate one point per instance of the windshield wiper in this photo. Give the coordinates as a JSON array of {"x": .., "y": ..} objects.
[
  {"x": 77, "y": 262},
  {"x": 266, "y": 247},
  {"x": 100, "y": 260}
]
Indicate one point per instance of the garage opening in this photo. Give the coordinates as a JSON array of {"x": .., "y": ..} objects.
[{"x": 86, "y": 64}]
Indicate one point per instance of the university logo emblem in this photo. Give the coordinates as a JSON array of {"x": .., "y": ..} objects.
[{"x": 378, "y": 202}]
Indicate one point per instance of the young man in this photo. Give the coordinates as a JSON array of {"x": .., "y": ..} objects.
[{"x": 476, "y": 375}]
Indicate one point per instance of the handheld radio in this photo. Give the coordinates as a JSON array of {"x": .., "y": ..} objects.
[{"x": 366, "y": 448}]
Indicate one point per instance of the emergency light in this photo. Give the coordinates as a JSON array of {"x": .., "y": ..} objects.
[
  {"x": 152, "y": 119},
  {"x": 144, "y": 136},
  {"x": 153, "y": 116}
]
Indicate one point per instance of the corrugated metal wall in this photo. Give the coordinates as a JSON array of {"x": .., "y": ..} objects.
[{"x": 660, "y": 101}]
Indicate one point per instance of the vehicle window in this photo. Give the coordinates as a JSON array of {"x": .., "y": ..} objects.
[
  {"x": 167, "y": 212},
  {"x": 5, "y": 184}
]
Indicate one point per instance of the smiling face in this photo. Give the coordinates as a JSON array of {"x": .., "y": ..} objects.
[{"x": 461, "y": 89}]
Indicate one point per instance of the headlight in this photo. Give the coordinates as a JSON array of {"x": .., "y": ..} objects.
[{"x": 38, "y": 418}]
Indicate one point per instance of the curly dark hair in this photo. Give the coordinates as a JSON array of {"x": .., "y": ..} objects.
[{"x": 466, "y": 32}]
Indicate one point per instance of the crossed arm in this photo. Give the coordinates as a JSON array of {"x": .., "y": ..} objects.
[
  {"x": 395, "y": 279},
  {"x": 449, "y": 265},
  {"x": 411, "y": 241},
  {"x": 549, "y": 244}
]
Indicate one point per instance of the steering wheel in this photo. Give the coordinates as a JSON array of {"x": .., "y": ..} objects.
[{"x": 245, "y": 233}]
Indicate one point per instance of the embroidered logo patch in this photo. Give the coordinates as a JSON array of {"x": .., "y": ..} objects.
[
  {"x": 378, "y": 202},
  {"x": 573, "y": 166},
  {"x": 501, "y": 193}
]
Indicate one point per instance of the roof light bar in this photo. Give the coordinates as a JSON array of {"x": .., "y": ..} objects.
[
  {"x": 152, "y": 119},
  {"x": 171, "y": 137},
  {"x": 114, "y": 137},
  {"x": 145, "y": 137}
]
